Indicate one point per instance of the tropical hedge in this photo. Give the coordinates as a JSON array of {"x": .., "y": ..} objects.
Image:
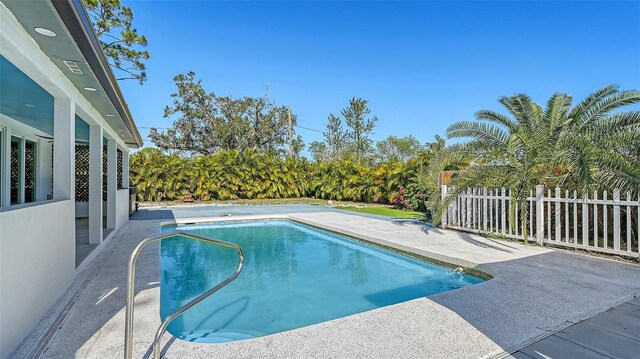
[{"x": 250, "y": 174}]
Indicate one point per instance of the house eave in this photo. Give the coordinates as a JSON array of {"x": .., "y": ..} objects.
[{"x": 76, "y": 20}]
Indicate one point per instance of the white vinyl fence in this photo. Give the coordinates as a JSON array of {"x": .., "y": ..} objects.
[{"x": 605, "y": 222}]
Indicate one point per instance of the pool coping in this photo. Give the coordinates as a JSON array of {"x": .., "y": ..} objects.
[
  {"x": 468, "y": 313},
  {"x": 479, "y": 270},
  {"x": 474, "y": 269}
]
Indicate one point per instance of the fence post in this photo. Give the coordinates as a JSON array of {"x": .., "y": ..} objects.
[
  {"x": 468, "y": 205},
  {"x": 472, "y": 208},
  {"x": 530, "y": 201},
  {"x": 484, "y": 209},
  {"x": 557, "y": 219},
  {"x": 445, "y": 215},
  {"x": 503, "y": 212},
  {"x": 595, "y": 218},
  {"x": 539, "y": 214},
  {"x": 616, "y": 219},
  {"x": 628, "y": 222},
  {"x": 585, "y": 218}
]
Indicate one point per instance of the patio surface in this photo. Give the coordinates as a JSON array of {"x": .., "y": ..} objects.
[
  {"x": 83, "y": 247},
  {"x": 612, "y": 334},
  {"x": 535, "y": 293}
]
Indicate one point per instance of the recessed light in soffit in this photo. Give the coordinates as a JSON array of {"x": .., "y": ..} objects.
[{"x": 45, "y": 32}]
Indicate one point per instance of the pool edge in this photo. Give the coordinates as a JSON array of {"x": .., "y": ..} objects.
[{"x": 474, "y": 269}]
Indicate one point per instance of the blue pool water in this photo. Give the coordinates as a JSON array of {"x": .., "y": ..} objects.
[{"x": 294, "y": 275}]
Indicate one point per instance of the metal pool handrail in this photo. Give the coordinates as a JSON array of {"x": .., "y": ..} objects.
[{"x": 131, "y": 287}]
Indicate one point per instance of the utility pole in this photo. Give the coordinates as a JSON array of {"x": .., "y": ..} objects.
[{"x": 290, "y": 132}]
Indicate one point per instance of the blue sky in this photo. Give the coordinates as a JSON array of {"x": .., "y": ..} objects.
[{"x": 422, "y": 65}]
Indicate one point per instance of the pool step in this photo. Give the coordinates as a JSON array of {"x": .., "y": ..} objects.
[{"x": 220, "y": 336}]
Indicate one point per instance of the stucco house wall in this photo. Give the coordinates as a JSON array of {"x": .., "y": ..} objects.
[{"x": 38, "y": 239}]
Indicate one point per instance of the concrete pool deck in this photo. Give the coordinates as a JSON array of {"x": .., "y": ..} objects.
[
  {"x": 612, "y": 334},
  {"x": 535, "y": 292}
]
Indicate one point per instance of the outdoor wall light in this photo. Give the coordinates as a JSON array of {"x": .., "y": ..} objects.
[{"x": 90, "y": 89}]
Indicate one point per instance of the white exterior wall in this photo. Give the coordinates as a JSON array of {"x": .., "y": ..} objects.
[
  {"x": 37, "y": 240},
  {"x": 64, "y": 149},
  {"x": 112, "y": 171},
  {"x": 122, "y": 207},
  {"x": 45, "y": 187},
  {"x": 82, "y": 209},
  {"x": 37, "y": 264}
]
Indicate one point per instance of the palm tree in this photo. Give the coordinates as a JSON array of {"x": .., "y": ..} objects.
[{"x": 584, "y": 146}]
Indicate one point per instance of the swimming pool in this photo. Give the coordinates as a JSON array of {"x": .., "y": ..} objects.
[{"x": 294, "y": 275}]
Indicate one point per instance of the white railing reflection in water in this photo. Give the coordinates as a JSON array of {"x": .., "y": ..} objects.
[{"x": 602, "y": 222}]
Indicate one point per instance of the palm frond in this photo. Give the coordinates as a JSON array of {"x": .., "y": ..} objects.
[
  {"x": 591, "y": 99},
  {"x": 496, "y": 117},
  {"x": 556, "y": 111},
  {"x": 600, "y": 109},
  {"x": 479, "y": 131}
]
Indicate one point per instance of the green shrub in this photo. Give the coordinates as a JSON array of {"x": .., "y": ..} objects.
[{"x": 252, "y": 175}]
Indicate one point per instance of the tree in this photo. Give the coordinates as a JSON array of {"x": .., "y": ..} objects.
[
  {"x": 121, "y": 43},
  {"x": 435, "y": 147},
  {"x": 397, "y": 149},
  {"x": 351, "y": 143},
  {"x": 334, "y": 137},
  {"x": 268, "y": 124},
  {"x": 559, "y": 145},
  {"x": 331, "y": 148},
  {"x": 422, "y": 191},
  {"x": 208, "y": 123},
  {"x": 318, "y": 151},
  {"x": 360, "y": 126},
  {"x": 297, "y": 145}
]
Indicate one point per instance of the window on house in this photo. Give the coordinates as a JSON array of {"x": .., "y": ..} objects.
[
  {"x": 1, "y": 166},
  {"x": 22, "y": 166},
  {"x": 82, "y": 172},
  {"x": 105, "y": 169},
  {"x": 16, "y": 170},
  {"x": 30, "y": 174},
  {"x": 119, "y": 169}
]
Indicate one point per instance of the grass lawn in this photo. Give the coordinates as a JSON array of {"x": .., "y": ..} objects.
[
  {"x": 255, "y": 202},
  {"x": 371, "y": 208},
  {"x": 385, "y": 211}
]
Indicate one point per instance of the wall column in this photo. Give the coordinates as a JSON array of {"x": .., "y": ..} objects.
[
  {"x": 112, "y": 182},
  {"x": 95, "y": 184},
  {"x": 5, "y": 182},
  {"x": 64, "y": 154},
  {"x": 125, "y": 168},
  {"x": 45, "y": 191}
]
